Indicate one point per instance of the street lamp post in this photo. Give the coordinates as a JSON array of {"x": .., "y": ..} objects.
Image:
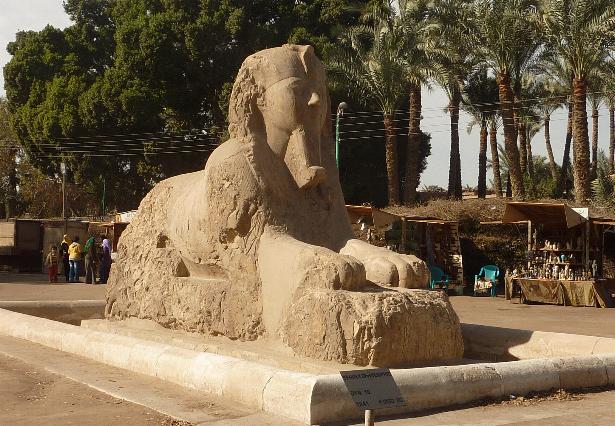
[
  {"x": 340, "y": 112},
  {"x": 63, "y": 169}
]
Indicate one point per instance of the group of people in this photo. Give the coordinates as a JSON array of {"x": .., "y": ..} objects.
[{"x": 97, "y": 258}]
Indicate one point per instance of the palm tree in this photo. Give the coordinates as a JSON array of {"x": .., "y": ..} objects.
[
  {"x": 559, "y": 74},
  {"x": 411, "y": 20},
  {"x": 373, "y": 58},
  {"x": 480, "y": 101},
  {"x": 609, "y": 100},
  {"x": 509, "y": 38},
  {"x": 453, "y": 29},
  {"x": 495, "y": 158},
  {"x": 581, "y": 33},
  {"x": 595, "y": 99},
  {"x": 553, "y": 98}
]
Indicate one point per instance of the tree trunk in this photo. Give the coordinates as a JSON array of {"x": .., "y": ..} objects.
[
  {"x": 482, "y": 160},
  {"x": 552, "y": 165},
  {"x": 562, "y": 186},
  {"x": 414, "y": 140},
  {"x": 530, "y": 157},
  {"x": 612, "y": 139},
  {"x": 522, "y": 147},
  {"x": 495, "y": 159},
  {"x": 508, "y": 185},
  {"x": 391, "y": 160},
  {"x": 510, "y": 134},
  {"x": 580, "y": 143},
  {"x": 594, "y": 141},
  {"x": 454, "y": 171}
]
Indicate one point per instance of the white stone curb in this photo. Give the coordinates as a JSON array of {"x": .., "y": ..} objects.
[{"x": 308, "y": 398}]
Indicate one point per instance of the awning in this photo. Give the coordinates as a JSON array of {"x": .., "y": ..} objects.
[{"x": 553, "y": 215}]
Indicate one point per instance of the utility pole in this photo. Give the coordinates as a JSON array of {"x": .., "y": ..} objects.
[
  {"x": 340, "y": 112},
  {"x": 63, "y": 169}
]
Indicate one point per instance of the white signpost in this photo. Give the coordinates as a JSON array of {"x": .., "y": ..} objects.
[{"x": 372, "y": 389}]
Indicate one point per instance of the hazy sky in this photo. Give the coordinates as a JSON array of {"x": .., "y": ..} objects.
[{"x": 36, "y": 14}]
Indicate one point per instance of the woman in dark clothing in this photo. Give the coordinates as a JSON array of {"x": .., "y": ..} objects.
[
  {"x": 91, "y": 258},
  {"x": 64, "y": 256},
  {"x": 105, "y": 261}
]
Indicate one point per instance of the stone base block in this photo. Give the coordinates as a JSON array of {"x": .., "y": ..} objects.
[{"x": 377, "y": 326}]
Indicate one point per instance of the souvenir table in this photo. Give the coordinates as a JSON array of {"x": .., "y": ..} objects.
[{"x": 595, "y": 293}]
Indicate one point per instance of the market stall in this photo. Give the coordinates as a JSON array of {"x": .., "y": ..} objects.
[{"x": 564, "y": 262}]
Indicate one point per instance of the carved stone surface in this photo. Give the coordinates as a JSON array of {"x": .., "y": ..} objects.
[{"x": 259, "y": 241}]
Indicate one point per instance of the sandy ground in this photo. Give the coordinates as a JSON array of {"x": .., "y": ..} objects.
[{"x": 31, "y": 396}]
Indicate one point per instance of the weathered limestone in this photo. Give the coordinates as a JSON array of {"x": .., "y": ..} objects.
[
  {"x": 259, "y": 242},
  {"x": 340, "y": 326}
]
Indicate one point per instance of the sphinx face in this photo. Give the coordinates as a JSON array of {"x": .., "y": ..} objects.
[{"x": 295, "y": 110}]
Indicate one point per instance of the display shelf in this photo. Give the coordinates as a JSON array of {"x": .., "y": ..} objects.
[{"x": 561, "y": 250}]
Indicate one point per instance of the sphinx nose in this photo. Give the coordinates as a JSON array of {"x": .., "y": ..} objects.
[{"x": 314, "y": 99}]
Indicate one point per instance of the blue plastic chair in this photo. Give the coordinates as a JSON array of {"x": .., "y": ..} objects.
[
  {"x": 491, "y": 273},
  {"x": 438, "y": 277}
]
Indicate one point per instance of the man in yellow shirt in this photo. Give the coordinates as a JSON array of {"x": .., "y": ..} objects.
[{"x": 74, "y": 256}]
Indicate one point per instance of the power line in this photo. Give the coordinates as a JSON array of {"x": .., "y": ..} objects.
[
  {"x": 128, "y": 154},
  {"x": 496, "y": 104}
]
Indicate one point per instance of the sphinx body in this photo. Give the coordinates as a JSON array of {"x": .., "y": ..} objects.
[{"x": 259, "y": 243}]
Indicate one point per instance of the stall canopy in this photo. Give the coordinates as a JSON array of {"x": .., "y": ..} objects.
[{"x": 553, "y": 215}]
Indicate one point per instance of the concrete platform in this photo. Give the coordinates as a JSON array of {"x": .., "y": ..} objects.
[
  {"x": 499, "y": 312},
  {"x": 309, "y": 398}
]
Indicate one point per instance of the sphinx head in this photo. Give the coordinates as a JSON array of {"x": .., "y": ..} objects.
[{"x": 280, "y": 97}]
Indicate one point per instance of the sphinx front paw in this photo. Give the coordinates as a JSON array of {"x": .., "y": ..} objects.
[
  {"x": 396, "y": 270},
  {"x": 335, "y": 271}
]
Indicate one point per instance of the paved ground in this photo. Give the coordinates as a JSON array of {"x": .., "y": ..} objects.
[
  {"x": 500, "y": 312},
  {"x": 36, "y": 287}
]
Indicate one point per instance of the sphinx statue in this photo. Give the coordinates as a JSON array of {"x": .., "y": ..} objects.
[{"x": 258, "y": 244}]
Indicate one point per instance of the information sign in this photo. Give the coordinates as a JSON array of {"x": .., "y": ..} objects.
[{"x": 373, "y": 389}]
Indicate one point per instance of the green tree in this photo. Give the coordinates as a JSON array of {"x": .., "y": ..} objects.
[
  {"x": 372, "y": 58},
  {"x": 582, "y": 33},
  {"x": 480, "y": 101},
  {"x": 144, "y": 66},
  {"x": 8, "y": 163},
  {"x": 453, "y": 32},
  {"x": 509, "y": 36},
  {"x": 412, "y": 19}
]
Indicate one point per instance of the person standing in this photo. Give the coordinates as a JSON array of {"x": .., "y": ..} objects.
[
  {"x": 74, "y": 257},
  {"x": 105, "y": 261},
  {"x": 90, "y": 261},
  {"x": 52, "y": 264},
  {"x": 64, "y": 255}
]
